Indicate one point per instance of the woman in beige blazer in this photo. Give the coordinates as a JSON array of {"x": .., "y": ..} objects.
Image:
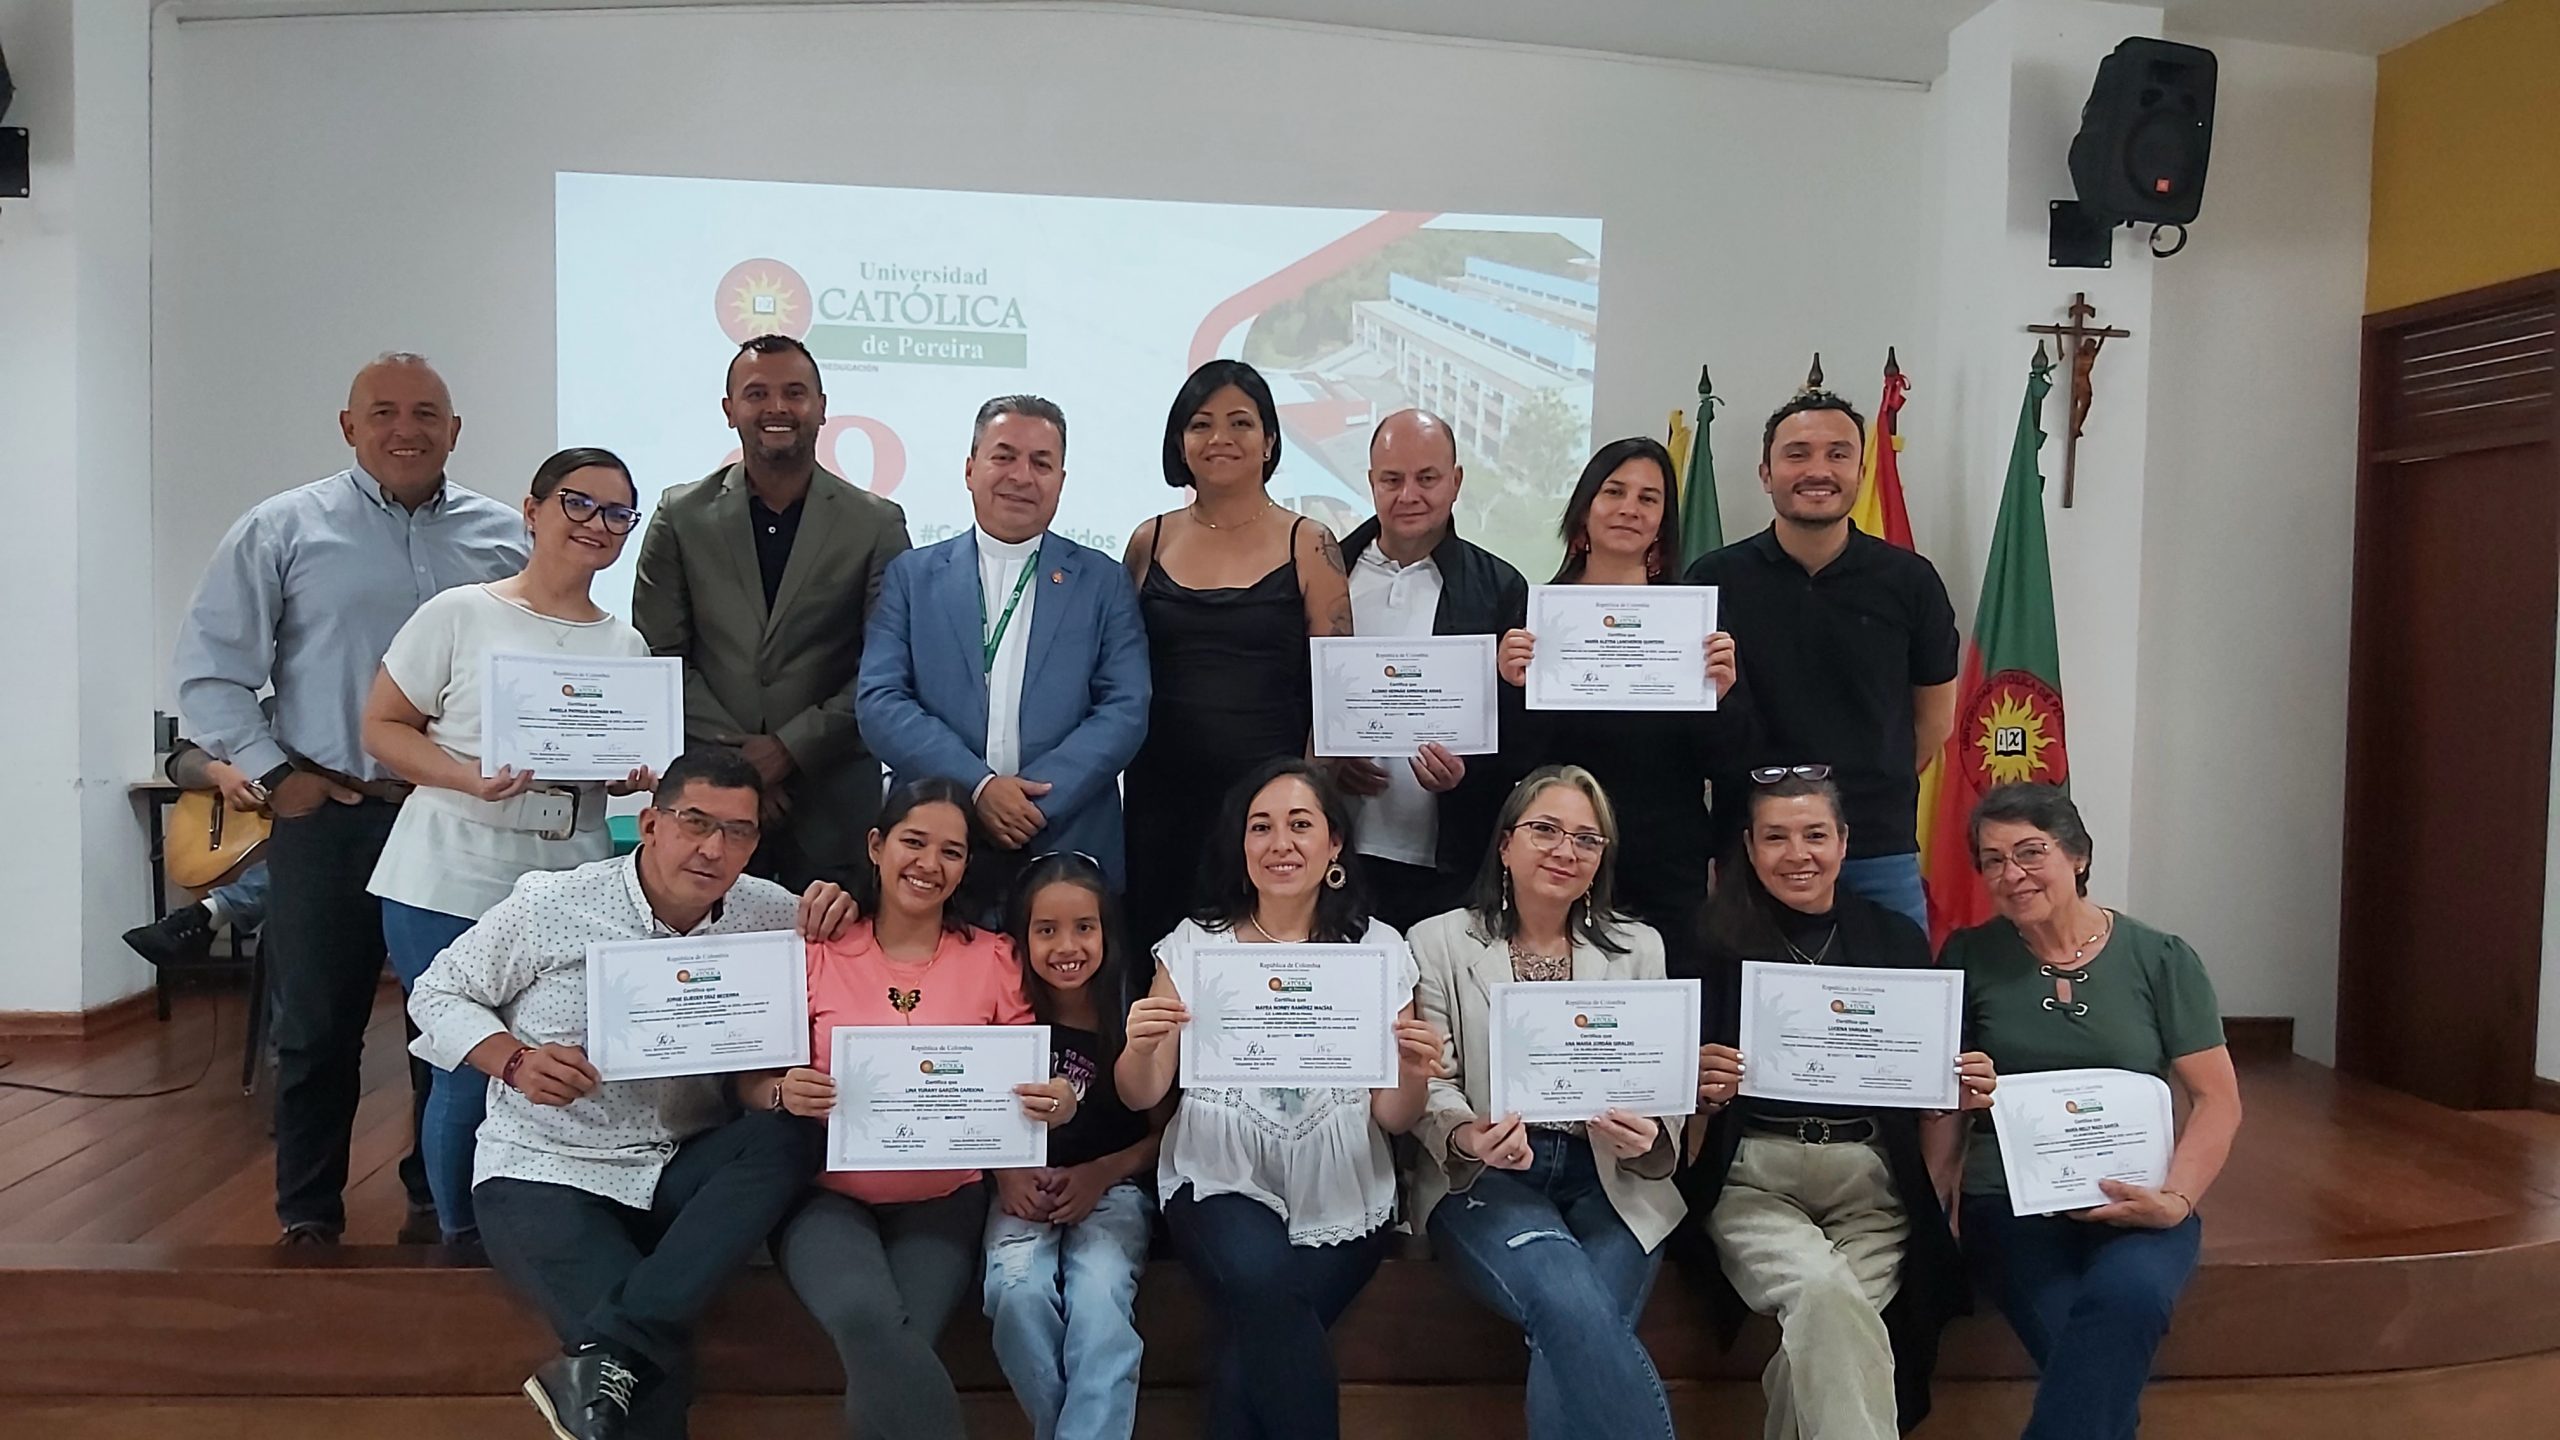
[{"x": 1558, "y": 1227}]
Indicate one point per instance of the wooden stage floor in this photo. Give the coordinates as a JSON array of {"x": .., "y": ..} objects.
[
  {"x": 2325, "y": 1165},
  {"x": 2374, "y": 1267}
]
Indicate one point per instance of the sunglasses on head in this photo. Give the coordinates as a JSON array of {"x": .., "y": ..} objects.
[{"x": 1772, "y": 774}]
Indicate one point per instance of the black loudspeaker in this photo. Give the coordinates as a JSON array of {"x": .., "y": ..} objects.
[{"x": 2146, "y": 133}]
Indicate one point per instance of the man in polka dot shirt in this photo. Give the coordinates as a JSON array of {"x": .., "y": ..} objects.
[{"x": 623, "y": 1207}]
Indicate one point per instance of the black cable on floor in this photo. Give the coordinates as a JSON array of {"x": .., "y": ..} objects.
[{"x": 212, "y": 1049}]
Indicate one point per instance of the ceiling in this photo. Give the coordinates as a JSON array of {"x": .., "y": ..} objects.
[{"x": 1903, "y": 40}]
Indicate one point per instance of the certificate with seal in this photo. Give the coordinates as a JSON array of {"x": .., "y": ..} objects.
[
  {"x": 1289, "y": 1015},
  {"x": 1389, "y": 696},
  {"x": 1567, "y": 1050},
  {"x": 1840, "y": 1035},
  {"x": 2063, "y": 1131},
  {"x": 936, "y": 1097},
  {"x": 697, "y": 1005},
  {"x": 580, "y": 717},
  {"x": 1621, "y": 647}
]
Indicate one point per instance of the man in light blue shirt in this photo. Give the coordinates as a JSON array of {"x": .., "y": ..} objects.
[{"x": 303, "y": 596}]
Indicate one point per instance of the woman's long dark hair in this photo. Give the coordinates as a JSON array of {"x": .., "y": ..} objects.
[
  {"x": 1490, "y": 899},
  {"x": 1109, "y": 986},
  {"x": 1741, "y": 917},
  {"x": 1228, "y": 897},
  {"x": 1206, "y": 381},
  {"x": 1577, "y": 510},
  {"x": 903, "y": 801}
]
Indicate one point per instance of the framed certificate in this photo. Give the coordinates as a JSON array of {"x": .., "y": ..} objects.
[
  {"x": 1393, "y": 696},
  {"x": 697, "y": 1005},
  {"x": 2063, "y": 1131},
  {"x": 936, "y": 1097},
  {"x": 580, "y": 717},
  {"x": 1289, "y": 1015},
  {"x": 1567, "y": 1050},
  {"x": 1840, "y": 1035},
  {"x": 1621, "y": 647}
]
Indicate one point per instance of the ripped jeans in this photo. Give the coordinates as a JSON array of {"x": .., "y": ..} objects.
[
  {"x": 1544, "y": 1247},
  {"x": 1060, "y": 1298}
]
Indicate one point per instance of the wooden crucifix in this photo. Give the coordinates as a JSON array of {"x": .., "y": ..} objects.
[{"x": 2080, "y": 342}]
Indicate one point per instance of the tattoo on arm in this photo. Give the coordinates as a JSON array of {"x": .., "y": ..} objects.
[
  {"x": 1339, "y": 623},
  {"x": 1331, "y": 551}
]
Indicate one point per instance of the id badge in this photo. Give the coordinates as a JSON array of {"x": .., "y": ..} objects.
[{"x": 549, "y": 813}]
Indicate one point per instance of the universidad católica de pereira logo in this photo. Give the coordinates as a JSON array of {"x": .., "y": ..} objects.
[{"x": 883, "y": 313}]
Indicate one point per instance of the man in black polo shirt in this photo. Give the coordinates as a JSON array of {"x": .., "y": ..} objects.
[
  {"x": 1423, "y": 823},
  {"x": 1848, "y": 644}
]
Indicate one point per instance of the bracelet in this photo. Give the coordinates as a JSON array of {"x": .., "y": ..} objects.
[
  {"x": 776, "y": 1105},
  {"x": 2190, "y": 1204},
  {"x": 507, "y": 1075}
]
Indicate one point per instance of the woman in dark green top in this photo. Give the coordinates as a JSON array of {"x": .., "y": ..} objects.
[{"x": 2057, "y": 983}]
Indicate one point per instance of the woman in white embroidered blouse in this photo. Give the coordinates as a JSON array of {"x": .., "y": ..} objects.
[{"x": 1278, "y": 1199}]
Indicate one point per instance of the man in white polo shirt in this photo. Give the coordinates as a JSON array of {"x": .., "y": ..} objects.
[{"x": 1423, "y": 823}]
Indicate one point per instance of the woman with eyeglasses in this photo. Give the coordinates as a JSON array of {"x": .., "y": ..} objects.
[
  {"x": 1622, "y": 527},
  {"x": 1831, "y": 1218},
  {"x": 1598, "y": 1190},
  {"x": 463, "y": 838},
  {"x": 2056, "y": 982},
  {"x": 882, "y": 1257}
]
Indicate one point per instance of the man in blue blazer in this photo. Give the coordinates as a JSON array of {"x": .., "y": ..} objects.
[{"x": 1012, "y": 659}]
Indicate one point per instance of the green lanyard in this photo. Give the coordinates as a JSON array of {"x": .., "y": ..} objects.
[{"x": 995, "y": 637}]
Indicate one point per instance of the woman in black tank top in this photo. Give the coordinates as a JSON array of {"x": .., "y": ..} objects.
[{"x": 1229, "y": 652}]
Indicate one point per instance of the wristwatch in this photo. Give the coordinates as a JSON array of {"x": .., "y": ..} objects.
[{"x": 273, "y": 778}]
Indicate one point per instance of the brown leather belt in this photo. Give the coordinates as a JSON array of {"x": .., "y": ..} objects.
[{"x": 389, "y": 792}]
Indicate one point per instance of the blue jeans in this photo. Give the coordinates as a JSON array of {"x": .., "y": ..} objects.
[
  {"x": 2090, "y": 1303},
  {"x": 1061, "y": 1298},
  {"x": 450, "y": 1129},
  {"x": 244, "y": 900},
  {"x": 1545, "y": 1249},
  {"x": 1892, "y": 881},
  {"x": 1275, "y": 1303}
]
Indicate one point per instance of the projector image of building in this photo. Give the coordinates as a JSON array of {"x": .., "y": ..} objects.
[{"x": 1475, "y": 348}]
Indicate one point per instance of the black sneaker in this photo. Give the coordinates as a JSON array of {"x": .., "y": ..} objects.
[
  {"x": 585, "y": 1393},
  {"x": 309, "y": 1232},
  {"x": 184, "y": 936}
]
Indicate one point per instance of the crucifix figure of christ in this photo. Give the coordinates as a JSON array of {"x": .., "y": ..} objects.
[{"x": 2080, "y": 343}]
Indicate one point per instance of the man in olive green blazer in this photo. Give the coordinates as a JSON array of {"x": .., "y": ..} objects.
[{"x": 761, "y": 578}]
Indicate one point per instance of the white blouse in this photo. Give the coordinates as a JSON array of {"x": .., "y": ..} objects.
[
  {"x": 445, "y": 852},
  {"x": 1315, "y": 1157}
]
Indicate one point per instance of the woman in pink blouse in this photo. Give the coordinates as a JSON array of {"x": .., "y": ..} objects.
[{"x": 882, "y": 1257}]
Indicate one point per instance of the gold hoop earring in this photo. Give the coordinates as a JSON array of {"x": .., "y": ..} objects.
[{"x": 1335, "y": 877}]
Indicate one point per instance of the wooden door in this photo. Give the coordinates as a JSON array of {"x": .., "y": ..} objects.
[{"x": 2449, "y": 704}]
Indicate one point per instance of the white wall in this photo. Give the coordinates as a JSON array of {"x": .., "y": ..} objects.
[
  {"x": 75, "y": 428},
  {"x": 331, "y": 188},
  {"x": 2249, "y": 523},
  {"x": 323, "y": 189}
]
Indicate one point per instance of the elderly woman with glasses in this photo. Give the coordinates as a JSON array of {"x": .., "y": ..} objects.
[
  {"x": 1556, "y": 1226},
  {"x": 464, "y": 837},
  {"x": 1832, "y": 1218},
  {"x": 2057, "y": 982}
]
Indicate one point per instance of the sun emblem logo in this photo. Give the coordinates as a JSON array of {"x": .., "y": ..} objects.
[
  {"x": 2014, "y": 731},
  {"x": 762, "y": 297}
]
